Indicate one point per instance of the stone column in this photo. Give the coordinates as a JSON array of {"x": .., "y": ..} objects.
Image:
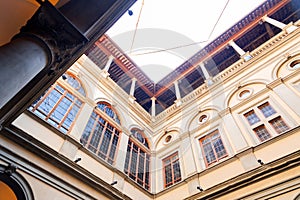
[
  {"x": 104, "y": 72},
  {"x": 208, "y": 78},
  {"x": 36, "y": 54},
  {"x": 236, "y": 138},
  {"x": 187, "y": 156},
  {"x": 245, "y": 55},
  {"x": 287, "y": 27},
  {"x": 177, "y": 93},
  {"x": 16, "y": 70},
  {"x": 132, "y": 89},
  {"x": 153, "y": 107},
  {"x": 238, "y": 49}
]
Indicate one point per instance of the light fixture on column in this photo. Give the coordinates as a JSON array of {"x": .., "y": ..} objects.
[
  {"x": 64, "y": 77},
  {"x": 130, "y": 13},
  {"x": 77, "y": 160},
  {"x": 200, "y": 188},
  {"x": 260, "y": 162}
]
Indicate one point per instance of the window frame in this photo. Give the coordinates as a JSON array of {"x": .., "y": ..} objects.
[
  {"x": 218, "y": 159},
  {"x": 172, "y": 169},
  {"x": 147, "y": 160},
  {"x": 67, "y": 89},
  {"x": 265, "y": 120},
  {"x": 100, "y": 115}
]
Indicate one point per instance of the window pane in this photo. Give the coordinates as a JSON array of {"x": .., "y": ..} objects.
[
  {"x": 133, "y": 164},
  {"x": 105, "y": 142},
  {"x": 168, "y": 174},
  {"x": 262, "y": 133},
  {"x": 209, "y": 153},
  {"x": 279, "y": 125},
  {"x": 219, "y": 148},
  {"x": 177, "y": 173},
  {"x": 213, "y": 147},
  {"x": 172, "y": 170},
  {"x": 71, "y": 116},
  {"x": 49, "y": 102},
  {"x": 61, "y": 110},
  {"x": 87, "y": 131},
  {"x": 113, "y": 147},
  {"x": 147, "y": 172},
  {"x": 139, "y": 164},
  {"x": 267, "y": 109},
  {"x": 95, "y": 138},
  {"x": 252, "y": 117},
  {"x": 138, "y": 134},
  {"x": 72, "y": 81},
  {"x": 57, "y": 108}
]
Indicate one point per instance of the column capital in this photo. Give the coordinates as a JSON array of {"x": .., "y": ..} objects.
[{"x": 52, "y": 30}]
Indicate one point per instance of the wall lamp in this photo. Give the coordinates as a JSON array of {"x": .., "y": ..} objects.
[
  {"x": 77, "y": 160},
  {"x": 114, "y": 183},
  {"x": 200, "y": 188},
  {"x": 260, "y": 162}
]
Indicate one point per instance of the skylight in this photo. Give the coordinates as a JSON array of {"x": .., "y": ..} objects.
[{"x": 171, "y": 31}]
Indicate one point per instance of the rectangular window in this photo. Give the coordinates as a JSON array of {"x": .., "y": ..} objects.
[
  {"x": 58, "y": 107},
  {"x": 279, "y": 125},
  {"x": 172, "y": 172},
  {"x": 251, "y": 117},
  {"x": 262, "y": 133},
  {"x": 101, "y": 138},
  {"x": 213, "y": 148},
  {"x": 267, "y": 109},
  {"x": 265, "y": 121},
  {"x": 137, "y": 164}
]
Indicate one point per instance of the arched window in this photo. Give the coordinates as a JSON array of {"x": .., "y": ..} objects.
[
  {"x": 137, "y": 163},
  {"x": 105, "y": 107},
  {"x": 12, "y": 185},
  {"x": 59, "y": 106},
  {"x": 101, "y": 136}
]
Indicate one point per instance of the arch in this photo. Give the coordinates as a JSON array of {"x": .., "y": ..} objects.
[
  {"x": 297, "y": 197},
  {"x": 74, "y": 82},
  {"x": 253, "y": 85},
  {"x": 109, "y": 110},
  {"x": 115, "y": 108},
  {"x": 60, "y": 105},
  {"x": 174, "y": 132},
  {"x": 282, "y": 67},
  {"x": 211, "y": 111},
  {"x": 16, "y": 182},
  {"x": 101, "y": 136},
  {"x": 140, "y": 136}
]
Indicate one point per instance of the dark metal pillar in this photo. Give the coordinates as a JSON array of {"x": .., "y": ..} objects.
[{"x": 50, "y": 42}]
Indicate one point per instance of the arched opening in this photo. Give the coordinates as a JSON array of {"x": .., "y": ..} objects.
[
  {"x": 12, "y": 185},
  {"x": 6, "y": 193}
]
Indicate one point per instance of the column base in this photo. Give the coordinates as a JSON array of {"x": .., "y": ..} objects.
[
  {"x": 290, "y": 28},
  {"x": 178, "y": 102},
  {"x": 132, "y": 98},
  {"x": 104, "y": 74}
]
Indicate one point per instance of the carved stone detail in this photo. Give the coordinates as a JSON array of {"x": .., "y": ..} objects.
[
  {"x": 59, "y": 36},
  {"x": 10, "y": 169}
]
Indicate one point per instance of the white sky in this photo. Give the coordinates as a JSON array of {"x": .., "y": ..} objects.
[{"x": 166, "y": 24}]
